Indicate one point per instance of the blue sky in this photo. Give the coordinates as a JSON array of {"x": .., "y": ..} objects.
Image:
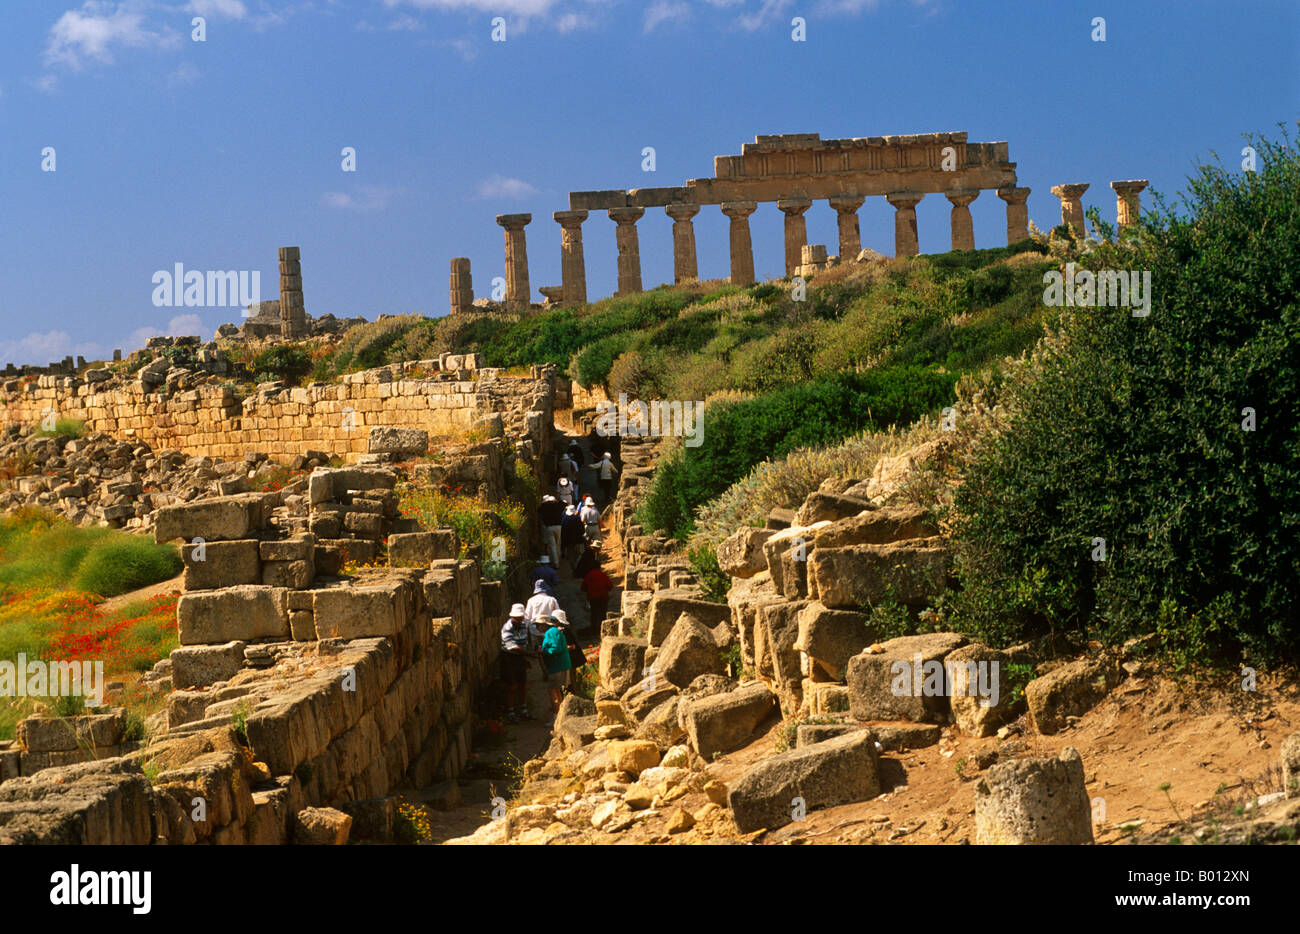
[{"x": 213, "y": 154}]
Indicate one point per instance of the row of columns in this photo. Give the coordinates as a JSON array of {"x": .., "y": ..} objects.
[
  {"x": 685, "y": 266},
  {"x": 1128, "y": 206}
]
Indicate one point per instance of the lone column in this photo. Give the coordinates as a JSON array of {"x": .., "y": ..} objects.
[
  {"x": 1017, "y": 213},
  {"x": 685, "y": 267},
  {"x": 1071, "y": 206},
  {"x": 796, "y": 231},
  {"x": 462, "y": 288},
  {"x": 742, "y": 247},
  {"x": 846, "y": 210},
  {"x": 573, "y": 267},
  {"x": 629, "y": 249},
  {"x": 905, "y": 240},
  {"x": 518, "y": 293},
  {"x": 963, "y": 231},
  {"x": 1127, "y": 206},
  {"x": 293, "y": 314}
]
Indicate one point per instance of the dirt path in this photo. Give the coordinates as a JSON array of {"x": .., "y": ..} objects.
[{"x": 144, "y": 593}]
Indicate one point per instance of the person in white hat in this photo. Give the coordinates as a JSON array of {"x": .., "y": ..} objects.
[
  {"x": 608, "y": 475},
  {"x": 514, "y": 664},
  {"x": 564, "y": 491},
  {"x": 590, "y": 517}
]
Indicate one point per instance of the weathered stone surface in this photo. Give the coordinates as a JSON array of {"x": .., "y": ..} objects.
[
  {"x": 70, "y": 734},
  {"x": 202, "y": 665},
  {"x": 1070, "y": 691},
  {"x": 621, "y": 662},
  {"x": 413, "y": 549},
  {"x": 108, "y": 801},
  {"x": 357, "y": 612},
  {"x": 913, "y": 572},
  {"x": 720, "y": 723},
  {"x": 809, "y": 733},
  {"x": 836, "y": 771},
  {"x": 643, "y": 697},
  {"x": 633, "y": 756},
  {"x": 221, "y": 564},
  {"x": 877, "y": 527},
  {"x": 243, "y": 613},
  {"x": 980, "y": 689},
  {"x": 1291, "y": 765},
  {"x": 741, "y": 554},
  {"x": 667, "y": 607},
  {"x": 820, "y": 506},
  {"x": 902, "y": 736},
  {"x": 321, "y": 827},
  {"x": 223, "y": 518},
  {"x": 906, "y": 681},
  {"x": 386, "y": 440},
  {"x": 689, "y": 651},
  {"x": 831, "y": 637},
  {"x": 662, "y": 725},
  {"x": 1034, "y": 801}
]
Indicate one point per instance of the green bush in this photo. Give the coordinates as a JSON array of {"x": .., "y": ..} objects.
[
  {"x": 738, "y": 436},
  {"x": 1130, "y": 429},
  {"x": 281, "y": 362},
  {"x": 121, "y": 566}
]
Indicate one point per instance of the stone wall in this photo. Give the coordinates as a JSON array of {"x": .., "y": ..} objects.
[{"x": 444, "y": 397}]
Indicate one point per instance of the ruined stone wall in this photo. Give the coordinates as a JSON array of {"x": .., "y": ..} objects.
[{"x": 210, "y": 421}]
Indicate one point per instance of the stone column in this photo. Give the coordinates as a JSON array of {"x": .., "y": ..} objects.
[
  {"x": 293, "y": 314},
  {"x": 573, "y": 267},
  {"x": 1017, "y": 213},
  {"x": 905, "y": 240},
  {"x": 846, "y": 208},
  {"x": 629, "y": 249},
  {"x": 1071, "y": 206},
  {"x": 742, "y": 247},
  {"x": 796, "y": 231},
  {"x": 518, "y": 293},
  {"x": 462, "y": 288},
  {"x": 1127, "y": 206},
  {"x": 963, "y": 231},
  {"x": 685, "y": 267}
]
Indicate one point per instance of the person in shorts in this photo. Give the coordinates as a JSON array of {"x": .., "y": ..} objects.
[{"x": 556, "y": 661}]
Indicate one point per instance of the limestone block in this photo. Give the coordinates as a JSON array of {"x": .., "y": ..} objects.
[
  {"x": 202, "y": 665},
  {"x": 906, "y": 681},
  {"x": 220, "y": 564},
  {"x": 1034, "y": 801},
  {"x": 244, "y": 613}
]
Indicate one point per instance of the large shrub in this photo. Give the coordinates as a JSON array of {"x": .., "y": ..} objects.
[
  {"x": 1130, "y": 430},
  {"x": 740, "y": 435}
]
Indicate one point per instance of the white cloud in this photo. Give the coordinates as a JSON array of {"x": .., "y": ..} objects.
[
  {"x": 41, "y": 348},
  {"x": 498, "y": 186},
  {"x": 367, "y": 198},
  {"x": 768, "y": 11},
  {"x": 494, "y": 7},
  {"x": 231, "y": 9},
  {"x": 665, "y": 11},
  {"x": 92, "y": 32}
]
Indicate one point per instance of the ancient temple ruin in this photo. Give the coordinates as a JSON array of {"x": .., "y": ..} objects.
[{"x": 792, "y": 170}]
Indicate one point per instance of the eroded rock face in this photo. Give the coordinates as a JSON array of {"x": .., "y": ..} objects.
[
  {"x": 839, "y": 770},
  {"x": 1034, "y": 801}
]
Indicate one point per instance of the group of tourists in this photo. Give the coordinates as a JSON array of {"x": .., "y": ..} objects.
[{"x": 539, "y": 630}]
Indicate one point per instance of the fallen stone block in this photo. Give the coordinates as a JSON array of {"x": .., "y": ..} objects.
[
  {"x": 906, "y": 681},
  {"x": 667, "y": 607},
  {"x": 836, "y": 771},
  {"x": 980, "y": 688},
  {"x": 202, "y": 665},
  {"x": 831, "y": 637},
  {"x": 321, "y": 827},
  {"x": 621, "y": 662},
  {"x": 689, "y": 651},
  {"x": 418, "y": 549},
  {"x": 720, "y": 723},
  {"x": 741, "y": 554},
  {"x": 819, "y": 507},
  {"x": 223, "y": 518},
  {"x": 1070, "y": 691},
  {"x": 912, "y": 572},
  {"x": 1034, "y": 801},
  {"x": 877, "y": 527}
]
